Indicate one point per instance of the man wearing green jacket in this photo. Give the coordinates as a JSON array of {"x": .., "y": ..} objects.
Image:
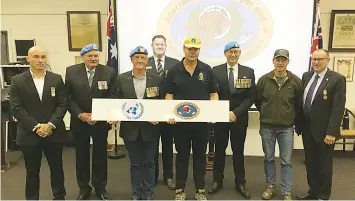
[{"x": 278, "y": 96}]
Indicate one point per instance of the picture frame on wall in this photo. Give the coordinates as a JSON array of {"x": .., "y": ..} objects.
[
  {"x": 345, "y": 66},
  {"x": 84, "y": 27},
  {"x": 342, "y": 31}
]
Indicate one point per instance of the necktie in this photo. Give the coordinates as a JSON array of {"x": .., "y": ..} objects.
[
  {"x": 91, "y": 76},
  {"x": 160, "y": 67},
  {"x": 231, "y": 80},
  {"x": 308, "y": 101}
]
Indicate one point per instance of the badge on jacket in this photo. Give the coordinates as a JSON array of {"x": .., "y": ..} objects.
[
  {"x": 325, "y": 94},
  {"x": 148, "y": 68},
  {"x": 53, "y": 91},
  {"x": 243, "y": 83},
  {"x": 152, "y": 92},
  {"x": 102, "y": 85},
  {"x": 200, "y": 76}
]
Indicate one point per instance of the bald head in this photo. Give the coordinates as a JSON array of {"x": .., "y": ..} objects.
[{"x": 37, "y": 57}]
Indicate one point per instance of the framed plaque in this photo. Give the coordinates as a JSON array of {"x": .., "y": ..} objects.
[
  {"x": 84, "y": 27},
  {"x": 342, "y": 31},
  {"x": 345, "y": 66}
]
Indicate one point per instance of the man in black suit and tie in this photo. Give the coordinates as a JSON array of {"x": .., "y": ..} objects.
[
  {"x": 323, "y": 100},
  {"x": 38, "y": 101},
  {"x": 236, "y": 84},
  {"x": 140, "y": 137},
  {"x": 84, "y": 82},
  {"x": 160, "y": 64}
]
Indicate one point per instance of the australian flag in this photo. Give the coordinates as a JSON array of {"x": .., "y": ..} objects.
[
  {"x": 112, "y": 50},
  {"x": 317, "y": 40}
]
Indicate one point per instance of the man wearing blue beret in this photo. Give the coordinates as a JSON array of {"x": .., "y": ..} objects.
[
  {"x": 140, "y": 137},
  {"x": 236, "y": 84},
  {"x": 84, "y": 82}
]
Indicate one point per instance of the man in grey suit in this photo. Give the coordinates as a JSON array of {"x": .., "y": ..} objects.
[
  {"x": 237, "y": 85},
  {"x": 84, "y": 82},
  {"x": 140, "y": 137},
  {"x": 160, "y": 64},
  {"x": 38, "y": 101}
]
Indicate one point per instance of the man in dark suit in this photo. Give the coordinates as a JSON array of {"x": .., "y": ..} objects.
[
  {"x": 236, "y": 84},
  {"x": 84, "y": 82},
  {"x": 160, "y": 64},
  {"x": 323, "y": 100},
  {"x": 38, "y": 101},
  {"x": 140, "y": 137}
]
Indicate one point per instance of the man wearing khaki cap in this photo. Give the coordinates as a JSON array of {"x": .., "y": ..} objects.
[{"x": 191, "y": 79}]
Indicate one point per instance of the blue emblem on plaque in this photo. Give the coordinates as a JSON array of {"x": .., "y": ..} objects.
[
  {"x": 187, "y": 110},
  {"x": 132, "y": 110}
]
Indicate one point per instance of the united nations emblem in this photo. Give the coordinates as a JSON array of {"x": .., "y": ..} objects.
[
  {"x": 141, "y": 49},
  {"x": 187, "y": 110},
  {"x": 132, "y": 110},
  {"x": 216, "y": 23}
]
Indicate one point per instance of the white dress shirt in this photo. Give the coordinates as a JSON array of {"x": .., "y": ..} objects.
[
  {"x": 235, "y": 72},
  {"x": 321, "y": 76},
  {"x": 39, "y": 83}
]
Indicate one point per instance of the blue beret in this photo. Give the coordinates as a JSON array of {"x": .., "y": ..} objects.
[
  {"x": 231, "y": 45},
  {"x": 138, "y": 50},
  {"x": 89, "y": 48}
]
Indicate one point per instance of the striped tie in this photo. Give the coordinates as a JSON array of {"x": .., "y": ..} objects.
[
  {"x": 160, "y": 68},
  {"x": 91, "y": 76}
]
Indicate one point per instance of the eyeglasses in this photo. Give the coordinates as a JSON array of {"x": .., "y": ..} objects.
[{"x": 318, "y": 59}]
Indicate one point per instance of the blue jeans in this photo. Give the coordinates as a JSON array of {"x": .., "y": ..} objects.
[
  {"x": 141, "y": 154},
  {"x": 284, "y": 137}
]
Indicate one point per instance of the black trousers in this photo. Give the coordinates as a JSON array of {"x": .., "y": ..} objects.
[
  {"x": 195, "y": 135},
  {"x": 99, "y": 159},
  {"x": 319, "y": 166},
  {"x": 33, "y": 156},
  {"x": 167, "y": 140},
  {"x": 237, "y": 137}
]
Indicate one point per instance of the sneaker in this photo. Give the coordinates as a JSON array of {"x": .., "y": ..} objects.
[
  {"x": 200, "y": 194},
  {"x": 268, "y": 193},
  {"x": 287, "y": 196},
  {"x": 180, "y": 194}
]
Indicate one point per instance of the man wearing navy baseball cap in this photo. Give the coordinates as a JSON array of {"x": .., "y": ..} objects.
[
  {"x": 84, "y": 82},
  {"x": 278, "y": 102},
  {"x": 140, "y": 138},
  {"x": 240, "y": 92}
]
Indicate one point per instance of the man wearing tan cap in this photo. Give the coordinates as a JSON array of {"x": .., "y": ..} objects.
[{"x": 190, "y": 79}]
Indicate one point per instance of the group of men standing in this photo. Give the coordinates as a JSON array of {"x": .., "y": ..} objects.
[{"x": 312, "y": 107}]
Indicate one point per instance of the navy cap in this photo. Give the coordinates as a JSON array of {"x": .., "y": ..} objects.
[
  {"x": 89, "y": 48},
  {"x": 231, "y": 45},
  {"x": 138, "y": 50},
  {"x": 282, "y": 53}
]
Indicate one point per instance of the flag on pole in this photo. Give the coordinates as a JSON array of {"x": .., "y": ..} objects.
[
  {"x": 112, "y": 50},
  {"x": 317, "y": 40}
]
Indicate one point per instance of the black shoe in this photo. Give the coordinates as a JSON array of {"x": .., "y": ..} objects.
[
  {"x": 59, "y": 198},
  {"x": 102, "y": 196},
  {"x": 83, "y": 196},
  {"x": 306, "y": 196},
  {"x": 215, "y": 188},
  {"x": 242, "y": 191}
]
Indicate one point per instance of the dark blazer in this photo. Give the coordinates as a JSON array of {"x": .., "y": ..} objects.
[
  {"x": 29, "y": 110},
  {"x": 129, "y": 129},
  {"x": 241, "y": 99},
  {"x": 80, "y": 95},
  {"x": 168, "y": 64},
  {"x": 326, "y": 113}
]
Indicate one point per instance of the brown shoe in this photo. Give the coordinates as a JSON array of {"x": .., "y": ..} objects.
[
  {"x": 170, "y": 183},
  {"x": 215, "y": 188}
]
